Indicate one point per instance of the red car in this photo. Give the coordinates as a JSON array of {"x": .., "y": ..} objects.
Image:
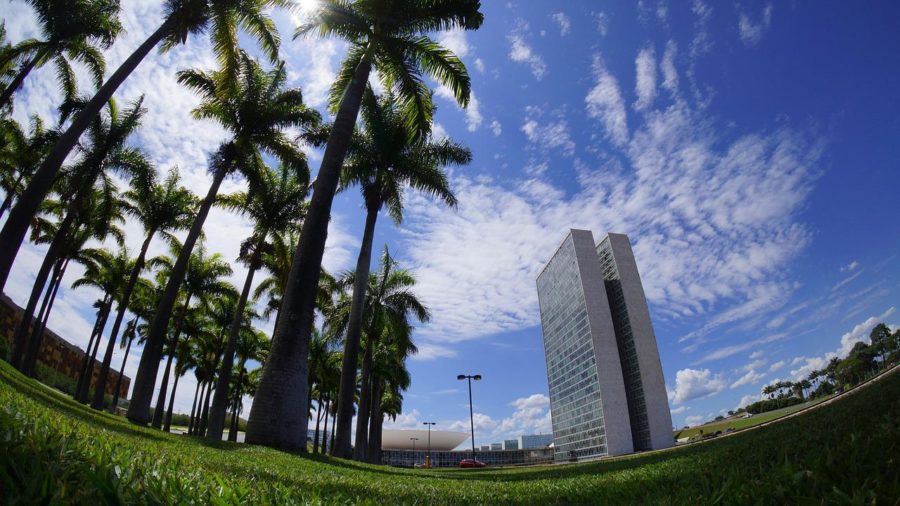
[{"x": 469, "y": 463}]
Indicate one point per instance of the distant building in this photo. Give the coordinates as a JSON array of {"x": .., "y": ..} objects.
[
  {"x": 496, "y": 447},
  {"x": 511, "y": 444},
  {"x": 607, "y": 393},
  {"x": 529, "y": 441},
  {"x": 485, "y": 448}
]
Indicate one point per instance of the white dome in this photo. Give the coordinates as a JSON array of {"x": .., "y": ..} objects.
[{"x": 441, "y": 440}]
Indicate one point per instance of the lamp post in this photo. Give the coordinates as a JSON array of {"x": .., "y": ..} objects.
[
  {"x": 414, "y": 439},
  {"x": 471, "y": 377},
  {"x": 428, "y": 457}
]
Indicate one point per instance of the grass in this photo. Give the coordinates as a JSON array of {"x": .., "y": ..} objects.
[
  {"x": 55, "y": 451},
  {"x": 744, "y": 423}
]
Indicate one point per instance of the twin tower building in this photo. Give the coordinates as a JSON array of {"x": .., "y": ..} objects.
[{"x": 607, "y": 391}]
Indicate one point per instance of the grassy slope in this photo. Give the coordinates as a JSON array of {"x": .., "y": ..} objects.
[
  {"x": 845, "y": 452},
  {"x": 743, "y": 423}
]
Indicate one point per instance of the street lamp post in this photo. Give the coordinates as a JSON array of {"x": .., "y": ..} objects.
[
  {"x": 471, "y": 377},
  {"x": 428, "y": 457}
]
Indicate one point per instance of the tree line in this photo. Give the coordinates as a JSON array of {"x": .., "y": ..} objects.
[
  {"x": 864, "y": 361},
  {"x": 73, "y": 185}
]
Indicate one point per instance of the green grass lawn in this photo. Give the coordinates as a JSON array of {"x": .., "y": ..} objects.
[
  {"x": 743, "y": 423},
  {"x": 57, "y": 451}
]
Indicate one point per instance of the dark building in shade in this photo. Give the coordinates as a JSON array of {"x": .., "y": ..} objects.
[{"x": 607, "y": 392}]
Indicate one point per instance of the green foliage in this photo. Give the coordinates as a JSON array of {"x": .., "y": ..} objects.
[
  {"x": 53, "y": 450},
  {"x": 772, "y": 404}
]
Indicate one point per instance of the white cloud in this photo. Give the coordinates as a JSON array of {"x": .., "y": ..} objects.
[
  {"x": 496, "y": 128},
  {"x": 431, "y": 351},
  {"x": 846, "y": 280},
  {"x": 551, "y": 135},
  {"x": 565, "y": 24},
  {"x": 455, "y": 40},
  {"x": 408, "y": 420},
  {"x": 747, "y": 400},
  {"x": 752, "y": 31},
  {"x": 776, "y": 366},
  {"x": 482, "y": 422},
  {"x": 645, "y": 86},
  {"x": 861, "y": 332},
  {"x": 849, "y": 267},
  {"x": 604, "y": 102},
  {"x": 669, "y": 72},
  {"x": 693, "y": 384},
  {"x": 472, "y": 111},
  {"x": 679, "y": 410},
  {"x": 748, "y": 379},
  {"x": 602, "y": 21},
  {"x": 756, "y": 354},
  {"x": 479, "y": 65},
  {"x": 521, "y": 52}
]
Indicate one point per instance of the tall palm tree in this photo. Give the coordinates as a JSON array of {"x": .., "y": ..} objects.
[
  {"x": 222, "y": 18},
  {"x": 391, "y": 37},
  {"x": 20, "y": 154},
  {"x": 104, "y": 271},
  {"x": 385, "y": 160},
  {"x": 252, "y": 345},
  {"x": 277, "y": 261},
  {"x": 256, "y": 109},
  {"x": 275, "y": 203},
  {"x": 388, "y": 310},
  {"x": 389, "y": 379},
  {"x": 106, "y": 152},
  {"x": 141, "y": 305},
  {"x": 72, "y": 30},
  {"x": 162, "y": 208},
  {"x": 202, "y": 279}
]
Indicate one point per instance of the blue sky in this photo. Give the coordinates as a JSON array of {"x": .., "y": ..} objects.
[{"x": 748, "y": 149}]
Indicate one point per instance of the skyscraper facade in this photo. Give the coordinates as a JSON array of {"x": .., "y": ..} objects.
[{"x": 607, "y": 393}]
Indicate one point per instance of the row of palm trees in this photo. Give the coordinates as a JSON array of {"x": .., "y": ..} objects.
[{"x": 391, "y": 151}]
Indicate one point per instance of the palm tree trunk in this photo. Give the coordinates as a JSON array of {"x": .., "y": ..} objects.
[
  {"x": 97, "y": 402},
  {"x": 168, "y": 422},
  {"x": 220, "y": 401},
  {"x": 37, "y": 332},
  {"x": 20, "y": 216},
  {"x": 161, "y": 399},
  {"x": 195, "y": 415},
  {"x": 361, "y": 445},
  {"x": 318, "y": 422},
  {"x": 90, "y": 344},
  {"x": 204, "y": 417},
  {"x": 53, "y": 251},
  {"x": 145, "y": 379},
  {"x": 115, "y": 399},
  {"x": 6, "y": 96},
  {"x": 351, "y": 351},
  {"x": 88, "y": 372},
  {"x": 233, "y": 430},
  {"x": 324, "y": 449},
  {"x": 331, "y": 441},
  {"x": 37, "y": 340},
  {"x": 376, "y": 421},
  {"x": 274, "y": 418}
]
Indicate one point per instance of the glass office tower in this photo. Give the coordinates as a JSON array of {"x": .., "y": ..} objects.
[{"x": 607, "y": 394}]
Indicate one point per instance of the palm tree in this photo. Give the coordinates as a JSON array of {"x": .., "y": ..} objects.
[
  {"x": 252, "y": 345},
  {"x": 203, "y": 279},
  {"x": 106, "y": 152},
  {"x": 223, "y": 19},
  {"x": 256, "y": 110},
  {"x": 388, "y": 310},
  {"x": 105, "y": 271},
  {"x": 162, "y": 208},
  {"x": 72, "y": 30},
  {"x": 277, "y": 261},
  {"x": 20, "y": 154},
  {"x": 389, "y": 379},
  {"x": 393, "y": 38},
  {"x": 384, "y": 160},
  {"x": 275, "y": 203},
  {"x": 95, "y": 215},
  {"x": 141, "y": 305}
]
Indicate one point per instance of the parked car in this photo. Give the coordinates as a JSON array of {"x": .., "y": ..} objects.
[{"x": 469, "y": 463}]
